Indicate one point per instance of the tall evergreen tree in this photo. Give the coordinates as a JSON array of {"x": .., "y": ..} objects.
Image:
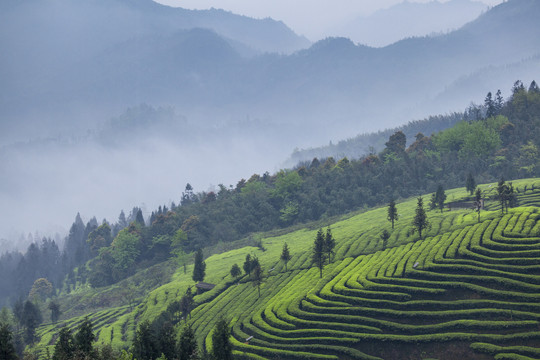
[
  {"x": 392, "y": 212},
  {"x": 31, "y": 319},
  {"x": 187, "y": 348},
  {"x": 285, "y": 254},
  {"x": 470, "y": 183},
  {"x": 329, "y": 244},
  {"x": 7, "y": 348},
  {"x": 186, "y": 304},
  {"x": 145, "y": 344},
  {"x": 199, "y": 267},
  {"x": 55, "y": 311},
  {"x": 478, "y": 202},
  {"x": 318, "y": 253},
  {"x": 420, "y": 221},
  {"x": 139, "y": 219},
  {"x": 247, "y": 264},
  {"x": 257, "y": 275},
  {"x": 385, "y": 235},
  {"x": 499, "y": 102},
  {"x": 64, "y": 348},
  {"x": 489, "y": 105},
  {"x": 221, "y": 344},
  {"x": 166, "y": 340},
  {"x": 84, "y": 338},
  {"x": 440, "y": 198}
]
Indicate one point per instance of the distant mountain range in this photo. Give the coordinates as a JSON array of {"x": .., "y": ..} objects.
[
  {"x": 82, "y": 61},
  {"x": 410, "y": 19}
]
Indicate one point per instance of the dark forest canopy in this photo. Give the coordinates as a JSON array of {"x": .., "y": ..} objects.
[{"x": 504, "y": 145}]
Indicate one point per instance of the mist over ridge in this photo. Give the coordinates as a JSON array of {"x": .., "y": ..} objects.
[{"x": 220, "y": 105}]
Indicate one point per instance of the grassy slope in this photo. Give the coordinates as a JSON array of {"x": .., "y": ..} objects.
[{"x": 367, "y": 297}]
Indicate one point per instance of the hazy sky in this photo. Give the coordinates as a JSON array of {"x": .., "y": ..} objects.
[{"x": 311, "y": 18}]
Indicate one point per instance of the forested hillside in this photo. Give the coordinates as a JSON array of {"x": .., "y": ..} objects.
[{"x": 140, "y": 254}]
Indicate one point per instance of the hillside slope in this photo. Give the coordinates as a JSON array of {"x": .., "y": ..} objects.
[{"x": 468, "y": 290}]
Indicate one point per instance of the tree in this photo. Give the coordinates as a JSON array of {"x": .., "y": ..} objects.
[
  {"x": 186, "y": 303},
  {"x": 166, "y": 340},
  {"x": 84, "y": 338},
  {"x": 318, "y": 254},
  {"x": 470, "y": 183},
  {"x": 420, "y": 222},
  {"x": 501, "y": 193},
  {"x": 329, "y": 244},
  {"x": 199, "y": 268},
  {"x": 124, "y": 251},
  {"x": 145, "y": 344},
  {"x": 139, "y": 219},
  {"x": 396, "y": 143},
  {"x": 64, "y": 348},
  {"x": 385, "y": 235},
  {"x": 490, "y": 105},
  {"x": 221, "y": 344},
  {"x": 31, "y": 318},
  {"x": 285, "y": 254},
  {"x": 257, "y": 275},
  {"x": 41, "y": 289},
  {"x": 499, "y": 102},
  {"x": 478, "y": 202},
  {"x": 247, "y": 264},
  {"x": 440, "y": 198},
  {"x": 533, "y": 88},
  {"x": 7, "y": 349},
  {"x": 235, "y": 271},
  {"x": 187, "y": 348},
  {"x": 392, "y": 213},
  {"x": 55, "y": 311},
  {"x": 506, "y": 195}
]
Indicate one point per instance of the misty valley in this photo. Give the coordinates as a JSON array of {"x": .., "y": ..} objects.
[{"x": 183, "y": 184}]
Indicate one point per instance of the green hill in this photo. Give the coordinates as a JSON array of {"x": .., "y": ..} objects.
[{"x": 469, "y": 289}]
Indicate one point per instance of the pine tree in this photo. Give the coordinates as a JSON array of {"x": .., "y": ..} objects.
[
  {"x": 385, "y": 235},
  {"x": 139, "y": 219},
  {"x": 84, "y": 338},
  {"x": 166, "y": 340},
  {"x": 257, "y": 275},
  {"x": 420, "y": 221},
  {"x": 31, "y": 319},
  {"x": 64, "y": 348},
  {"x": 145, "y": 344},
  {"x": 247, "y": 264},
  {"x": 329, "y": 244},
  {"x": 318, "y": 255},
  {"x": 499, "y": 102},
  {"x": 285, "y": 255},
  {"x": 186, "y": 303},
  {"x": 440, "y": 198},
  {"x": 221, "y": 344},
  {"x": 7, "y": 348},
  {"x": 478, "y": 202},
  {"x": 55, "y": 311},
  {"x": 187, "y": 348},
  {"x": 490, "y": 105},
  {"x": 199, "y": 267},
  {"x": 392, "y": 213}
]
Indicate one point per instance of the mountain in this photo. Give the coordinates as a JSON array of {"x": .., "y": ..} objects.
[
  {"x": 55, "y": 49},
  {"x": 109, "y": 62},
  {"x": 60, "y": 81},
  {"x": 410, "y": 19}
]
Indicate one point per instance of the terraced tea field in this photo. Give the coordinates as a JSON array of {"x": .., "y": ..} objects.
[{"x": 469, "y": 290}]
